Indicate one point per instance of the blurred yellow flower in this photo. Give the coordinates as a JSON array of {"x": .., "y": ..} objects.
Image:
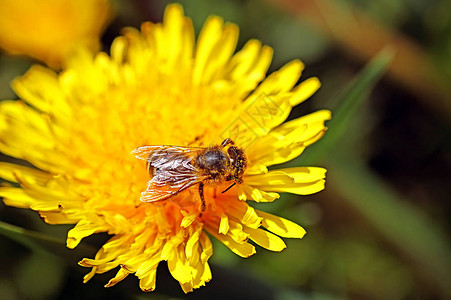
[
  {"x": 159, "y": 87},
  {"x": 47, "y": 29}
]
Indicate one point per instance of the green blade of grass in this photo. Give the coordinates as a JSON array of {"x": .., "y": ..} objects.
[
  {"x": 30, "y": 239},
  {"x": 415, "y": 234},
  {"x": 348, "y": 104},
  {"x": 43, "y": 243}
]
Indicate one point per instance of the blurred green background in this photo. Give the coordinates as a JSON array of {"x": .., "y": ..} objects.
[{"x": 380, "y": 228}]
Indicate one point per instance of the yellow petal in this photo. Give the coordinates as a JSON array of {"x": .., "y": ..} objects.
[
  {"x": 147, "y": 283},
  {"x": 30, "y": 136},
  {"x": 208, "y": 37},
  {"x": 40, "y": 88},
  {"x": 186, "y": 287},
  {"x": 8, "y": 171},
  {"x": 271, "y": 178},
  {"x": 201, "y": 275},
  {"x": 206, "y": 274},
  {"x": 54, "y": 192},
  {"x": 133, "y": 263},
  {"x": 207, "y": 247},
  {"x": 221, "y": 53},
  {"x": 304, "y": 90},
  {"x": 148, "y": 267},
  {"x": 114, "y": 243},
  {"x": 172, "y": 40},
  {"x": 25, "y": 199},
  {"x": 236, "y": 232},
  {"x": 256, "y": 168},
  {"x": 299, "y": 188},
  {"x": 118, "y": 50},
  {"x": 178, "y": 266},
  {"x": 246, "y": 214},
  {"x": 308, "y": 126},
  {"x": 262, "y": 64},
  {"x": 181, "y": 33},
  {"x": 304, "y": 180},
  {"x": 56, "y": 218},
  {"x": 266, "y": 240},
  {"x": 86, "y": 262},
  {"x": 224, "y": 224},
  {"x": 83, "y": 229},
  {"x": 91, "y": 274},
  {"x": 192, "y": 241},
  {"x": 244, "y": 249},
  {"x": 281, "y": 226},
  {"x": 288, "y": 140},
  {"x": 17, "y": 197},
  {"x": 249, "y": 66},
  {"x": 273, "y": 154},
  {"x": 17, "y": 112},
  {"x": 261, "y": 113},
  {"x": 256, "y": 194},
  {"x": 282, "y": 80},
  {"x": 214, "y": 47},
  {"x": 304, "y": 174},
  {"x": 121, "y": 274},
  {"x": 171, "y": 245},
  {"x": 298, "y": 125},
  {"x": 188, "y": 220}
]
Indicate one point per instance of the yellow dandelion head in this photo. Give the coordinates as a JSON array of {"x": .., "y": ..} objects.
[
  {"x": 47, "y": 29},
  {"x": 159, "y": 87}
]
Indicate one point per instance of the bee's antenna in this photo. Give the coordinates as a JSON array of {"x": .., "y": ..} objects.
[{"x": 228, "y": 188}]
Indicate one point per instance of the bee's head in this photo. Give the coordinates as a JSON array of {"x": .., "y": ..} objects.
[{"x": 238, "y": 162}]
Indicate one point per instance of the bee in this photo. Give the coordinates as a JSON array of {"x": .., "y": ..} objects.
[{"x": 174, "y": 169}]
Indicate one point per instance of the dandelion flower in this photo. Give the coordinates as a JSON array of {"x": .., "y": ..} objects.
[
  {"x": 47, "y": 29},
  {"x": 159, "y": 87}
]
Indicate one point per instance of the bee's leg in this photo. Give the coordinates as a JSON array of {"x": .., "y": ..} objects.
[
  {"x": 229, "y": 187},
  {"x": 201, "y": 194},
  {"x": 226, "y": 142}
]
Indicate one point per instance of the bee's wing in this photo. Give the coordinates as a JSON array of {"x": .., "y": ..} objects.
[
  {"x": 158, "y": 191},
  {"x": 144, "y": 152},
  {"x": 153, "y": 193},
  {"x": 166, "y": 157},
  {"x": 175, "y": 172}
]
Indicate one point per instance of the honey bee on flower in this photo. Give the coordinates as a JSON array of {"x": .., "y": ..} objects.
[
  {"x": 161, "y": 88},
  {"x": 174, "y": 168}
]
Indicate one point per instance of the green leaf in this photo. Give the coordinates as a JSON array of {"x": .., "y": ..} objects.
[
  {"x": 42, "y": 243},
  {"x": 348, "y": 104},
  {"x": 30, "y": 239},
  {"x": 405, "y": 226}
]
